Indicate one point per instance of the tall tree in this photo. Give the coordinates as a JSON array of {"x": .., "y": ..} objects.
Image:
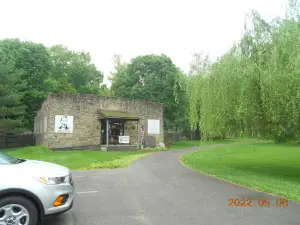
[
  {"x": 200, "y": 64},
  {"x": 11, "y": 108},
  {"x": 254, "y": 88},
  {"x": 119, "y": 67},
  {"x": 34, "y": 61},
  {"x": 153, "y": 78},
  {"x": 105, "y": 91},
  {"x": 74, "y": 71}
]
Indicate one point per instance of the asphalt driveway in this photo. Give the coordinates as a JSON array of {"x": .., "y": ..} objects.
[{"x": 158, "y": 190}]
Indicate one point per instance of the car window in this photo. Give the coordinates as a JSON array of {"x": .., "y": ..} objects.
[{"x": 7, "y": 159}]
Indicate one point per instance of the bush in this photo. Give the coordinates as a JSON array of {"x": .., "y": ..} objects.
[{"x": 157, "y": 148}]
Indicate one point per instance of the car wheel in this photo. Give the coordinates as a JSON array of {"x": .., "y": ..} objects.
[{"x": 16, "y": 210}]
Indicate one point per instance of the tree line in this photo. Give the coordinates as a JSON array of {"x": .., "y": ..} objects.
[
  {"x": 30, "y": 71},
  {"x": 252, "y": 90}
]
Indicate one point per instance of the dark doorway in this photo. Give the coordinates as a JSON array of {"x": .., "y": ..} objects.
[
  {"x": 115, "y": 129},
  {"x": 103, "y": 132}
]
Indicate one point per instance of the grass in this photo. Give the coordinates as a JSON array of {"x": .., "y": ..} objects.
[
  {"x": 84, "y": 159},
  {"x": 187, "y": 144},
  {"x": 79, "y": 159},
  {"x": 267, "y": 167}
]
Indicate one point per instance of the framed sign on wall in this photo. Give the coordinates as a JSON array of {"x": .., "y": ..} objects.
[
  {"x": 124, "y": 139},
  {"x": 153, "y": 127},
  {"x": 63, "y": 124}
]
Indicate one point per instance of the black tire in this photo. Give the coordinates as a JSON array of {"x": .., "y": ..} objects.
[{"x": 26, "y": 203}]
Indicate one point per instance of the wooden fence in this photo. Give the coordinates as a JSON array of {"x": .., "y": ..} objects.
[{"x": 16, "y": 141}]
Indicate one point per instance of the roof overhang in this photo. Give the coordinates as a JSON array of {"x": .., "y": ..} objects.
[{"x": 104, "y": 114}]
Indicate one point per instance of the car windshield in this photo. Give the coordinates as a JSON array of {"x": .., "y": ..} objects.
[{"x": 7, "y": 159}]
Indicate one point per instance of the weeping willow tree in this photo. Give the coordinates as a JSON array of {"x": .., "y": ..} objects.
[
  {"x": 254, "y": 89},
  {"x": 199, "y": 69}
]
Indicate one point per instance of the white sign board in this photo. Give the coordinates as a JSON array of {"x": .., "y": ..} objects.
[
  {"x": 153, "y": 127},
  {"x": 63, "y": 124},
  {"x": 124, "y": 139}
]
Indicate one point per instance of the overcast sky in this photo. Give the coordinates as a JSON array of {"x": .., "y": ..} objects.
[{"x": 176, "y": 28}]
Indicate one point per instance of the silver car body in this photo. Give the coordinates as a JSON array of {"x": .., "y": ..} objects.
[{"x": 24, "y": 178}]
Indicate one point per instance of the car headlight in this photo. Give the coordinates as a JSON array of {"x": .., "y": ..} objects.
[{"x": 54, "y": 180}]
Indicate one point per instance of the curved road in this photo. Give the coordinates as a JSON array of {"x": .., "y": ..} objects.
[{"x": 158, "y": 190}]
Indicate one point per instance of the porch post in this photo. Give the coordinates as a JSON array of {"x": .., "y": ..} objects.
[
  {"x": 138, "y": 135},
  {"x": 107, "y": 132}
]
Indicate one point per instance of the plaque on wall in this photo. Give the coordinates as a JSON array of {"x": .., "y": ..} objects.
[
  {"x": 150, "y": 141},
  {"x": 63, "y": 124},
  {"x": 153, "y": 127}
]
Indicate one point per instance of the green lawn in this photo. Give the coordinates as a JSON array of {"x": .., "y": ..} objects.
[
  {"x": 84, "y": 159},
  {"x": 187, "y": 144},
  {"x": 79, "y": 159},
  {"x": 264, "y": 166}
]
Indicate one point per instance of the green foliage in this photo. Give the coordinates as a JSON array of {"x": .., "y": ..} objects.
[
  {"x": 34, "y": 61},
  {"x": 74, "y": 71},
  {"x": 11, "y": 109},
  {"x": 105, "y": 91},
  {"x": 253, "y": 89},
  {"x": 29, "y": 71},
  {"x": 153, "y": 78}
]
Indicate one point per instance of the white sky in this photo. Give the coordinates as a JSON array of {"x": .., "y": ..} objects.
[{"x": 176, "y": 28}]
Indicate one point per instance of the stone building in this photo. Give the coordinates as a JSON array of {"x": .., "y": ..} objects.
[{"x": 81, "y": 121}]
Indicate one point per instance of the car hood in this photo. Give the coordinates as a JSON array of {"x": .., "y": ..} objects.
[{"x": 41, "y": 168}]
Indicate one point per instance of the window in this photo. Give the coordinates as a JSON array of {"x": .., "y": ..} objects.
[
  {"x": 7, "y": 159},
  {"x": 116, "y": 127}
]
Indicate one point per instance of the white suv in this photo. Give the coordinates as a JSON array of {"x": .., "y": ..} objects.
[{"x": 31, "y": 190}]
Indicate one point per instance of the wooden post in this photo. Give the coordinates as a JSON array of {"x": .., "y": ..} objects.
[
  {"x": 138, "y": 133},
  {"x": 169, "y": 142},
  {"x": 107, "y": 132}
]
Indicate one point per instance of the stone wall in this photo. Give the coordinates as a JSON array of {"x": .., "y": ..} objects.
[
  {"x": 131, "y": 129},
  {"x": 87, "y": 127},
  {"x": 41, "y": 125}
]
